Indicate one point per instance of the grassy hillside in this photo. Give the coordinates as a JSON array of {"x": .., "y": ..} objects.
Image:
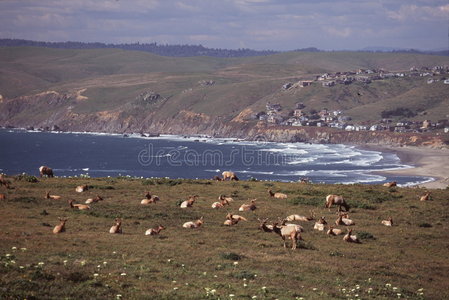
[
  {"x": 408, "y": 260},
  {"x": 112, "y": 79}
]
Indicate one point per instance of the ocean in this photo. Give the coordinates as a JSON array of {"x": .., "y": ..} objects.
[{"x": 103, "y": 155}]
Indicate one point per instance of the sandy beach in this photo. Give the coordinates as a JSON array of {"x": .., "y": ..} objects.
[{"x": 426, "y": 161}]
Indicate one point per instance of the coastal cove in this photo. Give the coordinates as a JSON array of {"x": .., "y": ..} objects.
[{"x": 103, "y": 155}]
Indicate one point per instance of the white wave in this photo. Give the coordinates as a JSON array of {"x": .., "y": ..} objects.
[
  {"x": 413, "y": 183},
  {"x": 85, "y": 169}
]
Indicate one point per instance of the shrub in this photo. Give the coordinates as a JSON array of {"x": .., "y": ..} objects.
[
  {"x": 425, "y": 225},
  {"x": 231, "y": 256},
  {"x": 26, "y": 177},
  {"x": 365, "y": 235},
  {"x": 244, "y": 275}
]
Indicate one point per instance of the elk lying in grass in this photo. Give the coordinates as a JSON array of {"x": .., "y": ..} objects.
[
  {"x": 93, "y": 200},
  {"x": 54, "y": 197},
  {"x": 350, "y": 238},
  {"x": 288, "y": 232},
  {"x": 292, "y": 218},
  {"x": 117, "y": 227},
  {"x": 79, "y": 206},
  {"x": 233, "y": 219},
  {"x": 223, "y": 197},
  {"x": 248, "y": 207},
  {"x": 189, "y": 202},
  {"x": 388, "y": 222},
  {"x": 425, "y": 197},
  {"x": 390, "y": 184},
  {"x": 45, "y": 171},
  {"x": 334, "y": 231},
  {"x": 319, "y": 225},
  {"x": 343, "y": 219},
  {"x": 60, "y": 227},
  {"x": 154, "y": 231},
  {"x": 337, "y": 200},
  {"x": 81, "y": 188},
  {"x": 229, "y": 175},
  {"x": 220, "y": 204},
  {"x": 263, "y": 225},
  {"x": 194, "y": 224},
  {"x": 149, "y": 199},
  {"x": 277, "y": 195}
]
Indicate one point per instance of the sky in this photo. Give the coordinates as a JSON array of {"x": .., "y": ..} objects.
[{"x": 279, "y": 25}]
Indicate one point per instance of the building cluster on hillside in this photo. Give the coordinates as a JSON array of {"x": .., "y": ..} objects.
[
  {"x": 369, "y": 75},
  {"x": 274, "y": 114}
]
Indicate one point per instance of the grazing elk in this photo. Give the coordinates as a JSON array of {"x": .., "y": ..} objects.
[
  {"x": 93, "y": 200},
  {"x": 154, "y": 231},
  {"x": 337, "y": 200},
  {"x": 54, "y": 197},
  {"x": 248, "y": 207},
  {"x": 194, "y": 224},
  {"x": 229, "y": 175},
  {"x": 61, "y": 226},
  {"x": 425, "y": 197},
  {"x": 79, "y": 206},
  {"x": 277, "y": 195},
  {"x": 350, "y": 238},
  {"x": 45, "y": 171},
  {"x": 117, "y": 227}
]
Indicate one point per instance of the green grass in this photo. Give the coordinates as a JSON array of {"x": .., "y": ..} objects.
[{"x": 216, "y": 261}]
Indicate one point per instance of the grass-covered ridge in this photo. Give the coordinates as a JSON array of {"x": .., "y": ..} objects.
[{"x": 408, "y": 260}]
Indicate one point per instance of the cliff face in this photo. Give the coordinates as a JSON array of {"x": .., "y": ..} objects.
[{"x": 54, "y": 110}]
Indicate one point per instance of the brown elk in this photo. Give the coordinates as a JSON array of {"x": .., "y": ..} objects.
[
  {"x": 54, "y": 197},
  {"x": 390, "y": 184},
  {"x": 337, "y": 200},
  {"x": 292, "y": 218},
  {"x": 248, "y": 207},
  {"x": 79, "y": 206},
  {"x": 425, "y": 197},
  {"x": 81, "y": 188},
  {"x": 117, "y": 227},
  {"x": 149, "y": 199},
  {"x": 60, "y": 227},
  {"x": 350, "y": 238},
  {"x": 343, "y": 219},
  {"x": 334, "y": 231},
  {"x": 93, "y": 200},
  {"x": 287, "y": 232},
  {"x": 154, "y": 231},
  {"x": 45, "y": 171},
  {"x": 277, "y": 195},
  {"x": 194, "y": 224},
  {"x": 229, "y": 175},
  {"x": 189, "y": 202},
  {"x": 319, "y": 225},
  {"x": 388, "y": 222}
]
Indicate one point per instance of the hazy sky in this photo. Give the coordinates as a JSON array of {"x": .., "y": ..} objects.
[{"x": 255, "y": 24}]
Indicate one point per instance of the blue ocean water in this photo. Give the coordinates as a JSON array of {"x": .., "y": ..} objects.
[{"x": 102, "y": 155}]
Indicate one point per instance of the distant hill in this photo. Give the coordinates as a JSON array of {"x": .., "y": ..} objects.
[{"x": 123, "y": 90}]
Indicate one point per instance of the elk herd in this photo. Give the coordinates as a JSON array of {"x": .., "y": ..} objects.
[{"x": 282, "y": 226}]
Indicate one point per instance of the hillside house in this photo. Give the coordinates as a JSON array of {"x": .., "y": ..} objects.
[
  {"x": 298, "y": 113},
  {"x": 328, "y": 83},
  {"x": 305, "y": 83},
  {"x": 273, "y": 107}
]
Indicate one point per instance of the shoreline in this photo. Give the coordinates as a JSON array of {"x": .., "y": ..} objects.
[
  {"x": 429, "y": 162},
  {"x": 424, "y": 161}
]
